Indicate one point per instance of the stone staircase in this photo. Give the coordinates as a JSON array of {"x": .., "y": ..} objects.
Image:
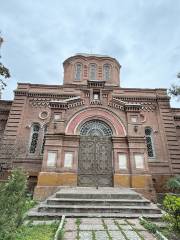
[{"x": 92, "y": 202}]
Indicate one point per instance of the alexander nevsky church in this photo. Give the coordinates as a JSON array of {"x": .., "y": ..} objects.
[{"x": 90, "y": 131}]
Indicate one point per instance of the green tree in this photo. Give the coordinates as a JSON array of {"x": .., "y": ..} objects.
[
  {"x": 174, "y": 90},
  {"x": 173, "y": 184},
  {"x": 171, "y": 205},
  {"x": 12, "y": 204},
  {"x": 4, "y": 73}
]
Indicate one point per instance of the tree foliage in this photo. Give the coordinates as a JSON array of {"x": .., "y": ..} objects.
[
  {"x": 172, "y": 207},
  {"x": 173, "y": 184},
  {"x": 4, "y": 72},
  {"x": 12, "y": 204},
  {"x": 174, "y": 90}
]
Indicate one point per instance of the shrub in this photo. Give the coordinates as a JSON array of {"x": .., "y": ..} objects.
[
  {"x": 173, "y": 184},
  {"x": 12, "y": 204},
  {"x": 172, "y": 207}
]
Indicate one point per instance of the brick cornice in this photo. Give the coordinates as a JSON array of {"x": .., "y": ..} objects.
[
  {"x": 43, "y": 94},
  {"x": 142, "y": 98}
]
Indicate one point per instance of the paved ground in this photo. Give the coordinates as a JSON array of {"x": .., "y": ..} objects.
[{"x": 105, "y": 229}]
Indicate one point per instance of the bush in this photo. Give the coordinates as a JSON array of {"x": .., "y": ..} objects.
[
  {"x": 173, "y": 184},
  {"x": 30, "y": 203},
  {"x": 171, "y": 205},
  {"x": 12, "y": 204}
]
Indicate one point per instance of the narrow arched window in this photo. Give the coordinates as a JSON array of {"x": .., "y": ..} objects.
[
  {"x": 78, "y": 71},
  {"x": 106, "y": 72},
  {"x": 34, "y": 137},
  {"x": 44, "y": 139},
  {"x": 149, "y": 142},
  {"x": 92, "y": 73}
]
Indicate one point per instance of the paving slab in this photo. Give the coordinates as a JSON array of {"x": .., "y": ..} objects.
[
  {"x": 112, "y": 227},
  {"x": 90, "y": 220},
  {"x": 135, "y": 223},
  {"x": 117, "y": 235},
  {"x": 126, "y": 227},
  {"x": 109, "y": 221},
  {"x": 70, "y": 235},
  {"x": 101, "y": 235},
  {"x": 146, "y": 235},
  {"x": 92, "y": 226},
  {"x": 120, "y": 221},
  {"x": 89, "y": 225},
  {"x": 132, "y": 235},
  {"x": 70, "y": 227},
  {"x": 85, "y": 235}
]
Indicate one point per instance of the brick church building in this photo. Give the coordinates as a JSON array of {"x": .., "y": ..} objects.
[{"x": 90, "y": 131}]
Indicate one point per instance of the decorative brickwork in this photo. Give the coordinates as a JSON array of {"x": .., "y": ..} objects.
[{"x": 64, "y": 110}]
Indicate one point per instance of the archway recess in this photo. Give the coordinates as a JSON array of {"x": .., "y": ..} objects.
[{"x": 76, "y": 122}]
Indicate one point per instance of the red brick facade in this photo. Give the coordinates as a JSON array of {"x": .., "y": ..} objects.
[{"x": 91, "y": 91}]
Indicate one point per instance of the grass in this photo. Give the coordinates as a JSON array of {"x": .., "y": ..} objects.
[
  {"x": 93, "y": 235},
  {"x": 36, "y": 232},
  {"x": 166, "y": 231},
  {"x": 170, "y": 234},
  {"x": 134, "y": 228},
  {"x": 78, "y": 222},
  {"x": 106, "y": 229},
  {"x": 120, "y": 229}
]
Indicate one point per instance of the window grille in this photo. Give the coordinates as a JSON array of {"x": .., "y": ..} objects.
[
  {"x": 43, "y": 143},
  {"x": 95, "y": 128},
  {"x": 34, "y": 137},
  {"x": 149, "y": 142}
]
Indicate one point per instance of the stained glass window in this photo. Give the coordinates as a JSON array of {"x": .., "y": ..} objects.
[
  {"x": 106, "y": 72},
  {"x": 78, "y": 71},
  {"x": 92, "y": 74},
  {"x": 95, "y": 128},
  {"x": 149, "y": 142},
  {"x": 43, "y": 143},
  {"x": 34, "y": 137}
]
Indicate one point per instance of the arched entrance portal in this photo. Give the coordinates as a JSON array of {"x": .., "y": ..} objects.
[{"x": 95, "y": 155}]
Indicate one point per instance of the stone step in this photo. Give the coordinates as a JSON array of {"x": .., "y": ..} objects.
[
  {"x": 97, "y": 202},
  {"x": 97, "y": 195},
  {"x": 92, "y": 202},
  {"x": 57, "y": 216},
  {"x": 97, "y": 209}
]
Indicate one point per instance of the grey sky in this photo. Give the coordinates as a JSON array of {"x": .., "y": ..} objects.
[{"x": 143, "y": 35}]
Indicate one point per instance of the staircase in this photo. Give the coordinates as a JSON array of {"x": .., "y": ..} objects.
[{"x": 92, "y": 202}]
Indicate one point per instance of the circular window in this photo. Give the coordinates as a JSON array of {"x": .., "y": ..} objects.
[{"x": 44, "y": 115}]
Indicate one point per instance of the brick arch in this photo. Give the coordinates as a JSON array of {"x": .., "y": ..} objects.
[{"x": 81, "y": 117}]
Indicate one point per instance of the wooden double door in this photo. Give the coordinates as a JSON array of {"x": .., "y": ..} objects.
[{"x": 95, "y": 161}]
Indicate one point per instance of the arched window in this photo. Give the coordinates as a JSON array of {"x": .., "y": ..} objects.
[
  {"x": 96, "y": 128},
  {"x": 78, "y": 71},
  {"x": 106, "y": 72},
  {"x": 149, "y": 142},
  {"x": 34, "y": 137},
  {"x": 44, "y": 139},
  {"x": 92, "y": 72}
]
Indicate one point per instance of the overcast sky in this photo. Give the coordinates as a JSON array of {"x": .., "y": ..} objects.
[{"x": 143, "y": 35}]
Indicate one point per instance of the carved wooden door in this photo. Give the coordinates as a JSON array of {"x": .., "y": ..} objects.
[{"x": 95, "y": 161}]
